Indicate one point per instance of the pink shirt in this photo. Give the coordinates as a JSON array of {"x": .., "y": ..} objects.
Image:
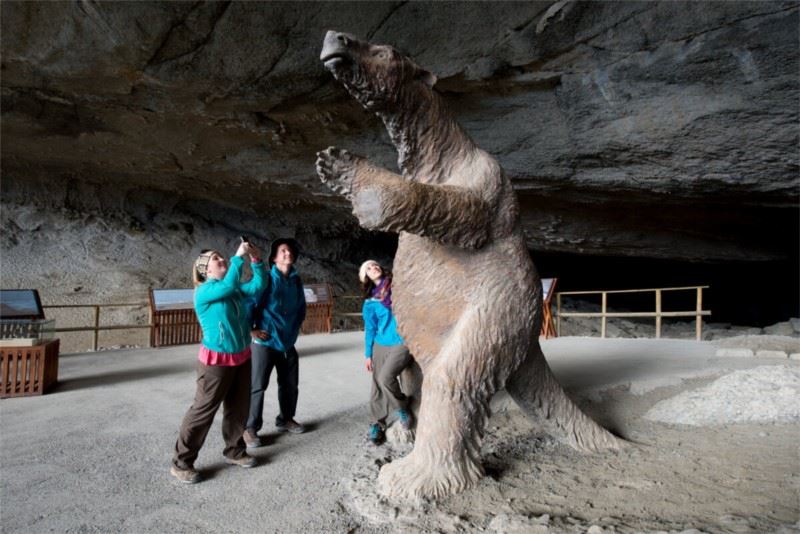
[{"x": 224, "y": 359}]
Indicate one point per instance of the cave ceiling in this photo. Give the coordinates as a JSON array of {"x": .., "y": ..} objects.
[{"x": 652, "y": 129}]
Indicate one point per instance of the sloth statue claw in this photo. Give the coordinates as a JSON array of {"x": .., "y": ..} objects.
[
  {"x": 466, "y": 294},
  {"x": 337, "y": 168}
]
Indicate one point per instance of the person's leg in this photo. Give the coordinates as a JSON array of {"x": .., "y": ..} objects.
[
  {"x": 378, "y": 405},
  {"x": 261, "y": 369},
  {"x": 396, "y": 358},
  {"x": 234, "y": 411},
  {"x": 212, "y": 384},
  {"x": 286, "y": 365}
]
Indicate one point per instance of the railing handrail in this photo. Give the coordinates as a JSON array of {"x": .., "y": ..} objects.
[
  {"x": 96, "y": 328},
  {"x": 598, "y": 292},
  {"x": 130, "y": 304},
  {"x": 604, "y": 314}
]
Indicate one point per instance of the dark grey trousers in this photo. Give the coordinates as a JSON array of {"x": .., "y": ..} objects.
[
  {"x": 216, "y": 384},
  {"x": 386, "y": 395},
  {"x": 286, "y": 364}
]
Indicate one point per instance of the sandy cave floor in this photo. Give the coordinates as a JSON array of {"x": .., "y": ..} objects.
[
  {"x": 97, "y": 452},
  {"x": 733, "y": 478}
]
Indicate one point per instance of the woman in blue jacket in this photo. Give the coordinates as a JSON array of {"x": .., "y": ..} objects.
[
  {"x": 223, "y": 369},
  {"x": 277, "y": 316},
  {"x": 386, "y": 355}
]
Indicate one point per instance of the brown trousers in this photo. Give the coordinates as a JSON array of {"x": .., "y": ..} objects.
[
  {"x": 216, "y": 384},
  {"x": 386, "y": 395}
]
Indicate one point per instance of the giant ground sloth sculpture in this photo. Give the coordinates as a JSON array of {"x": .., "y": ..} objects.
[{"x": 466, "y": 294}]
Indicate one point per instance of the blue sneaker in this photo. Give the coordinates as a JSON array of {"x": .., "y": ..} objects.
[
  {"x": 405, "y": 419},
  {"x": 376, "y": 434}
]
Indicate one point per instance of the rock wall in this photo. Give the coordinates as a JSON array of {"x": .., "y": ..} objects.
[{"x": 152, "y": 129}]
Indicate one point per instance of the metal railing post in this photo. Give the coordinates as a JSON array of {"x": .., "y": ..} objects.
[
  {"x": 558, "y": 316},
  {"x": 658, "y": 313},
  {"x": 96, "y": 330},
  {"x": 604, "y": 319},
  {"x": 699, "y": 324}
]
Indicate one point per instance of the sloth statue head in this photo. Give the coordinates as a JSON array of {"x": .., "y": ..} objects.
[{"x": 378, "y": 76}]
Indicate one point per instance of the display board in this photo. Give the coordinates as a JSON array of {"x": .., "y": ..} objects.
[
  {"x": 20, "y": 304},
  {"x": 172, "y": 299}
]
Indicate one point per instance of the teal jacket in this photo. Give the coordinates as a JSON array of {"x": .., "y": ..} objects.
[
  {"x": 379, "y": 326},
  {"x": 280, "y": 310},
  {"x": 221, "y": 311}
]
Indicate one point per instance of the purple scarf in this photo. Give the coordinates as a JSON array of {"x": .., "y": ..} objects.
[{"x": 383, "y": 294}]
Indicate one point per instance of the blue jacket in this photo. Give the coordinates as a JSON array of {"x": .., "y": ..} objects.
[
  {"x": 280, "y": 309},
  {"x": 221, "y": 310},
  {"x": 379, "y": 326}
]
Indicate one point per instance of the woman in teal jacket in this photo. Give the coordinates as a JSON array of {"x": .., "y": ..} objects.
[
  {"x": 386, "y": 355},
  {"x": 223, "y": 368}
]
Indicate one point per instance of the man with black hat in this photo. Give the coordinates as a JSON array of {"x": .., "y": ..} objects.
[{"x": 277, "y": 317}]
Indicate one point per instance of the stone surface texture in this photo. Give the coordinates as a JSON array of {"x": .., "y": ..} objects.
[{"x": 656, "y": 129}]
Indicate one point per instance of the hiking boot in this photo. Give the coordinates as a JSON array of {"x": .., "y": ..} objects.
[
  {"x": 245, "y": 461},
  {"x": 290, "y": 426},
  {"x": 251, "y": 440},
  {"x": 405, "y": 418},
  {"x": 186, "y": 476},
  {"x": 376, "y": 434}
]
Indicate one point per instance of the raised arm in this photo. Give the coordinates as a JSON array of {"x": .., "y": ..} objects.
[
  {"x": 211, "y": 290},
  {"x": 258, "y": 282},
  {"x": 383, "y": 200}
]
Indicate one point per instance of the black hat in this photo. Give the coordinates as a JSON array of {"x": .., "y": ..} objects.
[{"x": 291, "y": 243}]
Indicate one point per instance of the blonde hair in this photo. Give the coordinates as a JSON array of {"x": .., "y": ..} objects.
[
  {"x": 362, "y": 271},
  {"x": 200, "y": 266}
]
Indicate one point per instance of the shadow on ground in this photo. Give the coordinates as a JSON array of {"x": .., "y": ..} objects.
[{"x": 107, "y": 379}]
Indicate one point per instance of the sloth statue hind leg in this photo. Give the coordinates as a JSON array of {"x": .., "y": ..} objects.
[{"x": 452, "y": 415}]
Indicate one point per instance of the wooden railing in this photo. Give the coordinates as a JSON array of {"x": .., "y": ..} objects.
[
  {"x": 658, "y": 314},
  {"x": 95, "y": 327},
  {"x": 181, "y": 327}
]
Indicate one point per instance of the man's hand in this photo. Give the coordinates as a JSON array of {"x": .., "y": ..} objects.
[
  {"x": 369, "y": 364},
  {"x": 263, "y": 335}
]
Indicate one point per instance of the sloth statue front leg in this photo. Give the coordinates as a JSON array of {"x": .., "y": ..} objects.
[{"x": 383, "y": 200}]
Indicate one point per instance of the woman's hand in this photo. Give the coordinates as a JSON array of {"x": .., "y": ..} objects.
[
  {"x": 255, "y": 254},
  {"x": 369, "y": 364},
  {"x": 243, "y": 249},
  {"x": 263, "y": 335}
]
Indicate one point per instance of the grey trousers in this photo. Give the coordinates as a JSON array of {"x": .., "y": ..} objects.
[
  {"x": 216, "y": 384},
  {"x": 286, "y": 364},
  {"x": 386, "y": 395}
]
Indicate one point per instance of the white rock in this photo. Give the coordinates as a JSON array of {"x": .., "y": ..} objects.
[
  {"x": 640, "y": 387},
  {"x": 795, "y": 322},
  {"x": 613, "y": 330},
  {"x": 734, "y": 353},
  {"x": 795, "y": 356},
  {"x": 771, "y": 354},
  {"x": 780, "y": 329},
  {"x": 764, "y": 394},
  {"x": 514, "y": 523}
]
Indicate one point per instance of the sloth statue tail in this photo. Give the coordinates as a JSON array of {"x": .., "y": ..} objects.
[{"x": 536, "y": 391}]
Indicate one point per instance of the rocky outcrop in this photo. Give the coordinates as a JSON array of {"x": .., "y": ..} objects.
[{"x": 651, "y": 129}]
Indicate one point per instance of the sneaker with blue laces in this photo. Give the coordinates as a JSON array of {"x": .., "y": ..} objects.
[
  {"x": 376, "y": 434},
  {"x": 405, "y": 419}
]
